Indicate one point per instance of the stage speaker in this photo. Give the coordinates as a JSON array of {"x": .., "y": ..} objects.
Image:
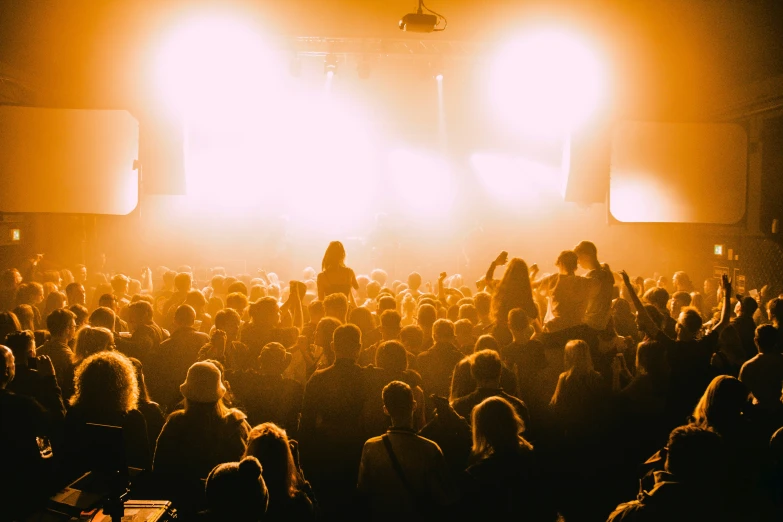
[{"x": 162, "y": 155}]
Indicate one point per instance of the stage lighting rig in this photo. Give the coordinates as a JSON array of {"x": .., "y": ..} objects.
[{"x": 421, "y": 22}]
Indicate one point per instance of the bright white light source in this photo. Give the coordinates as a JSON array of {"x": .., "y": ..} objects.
[
  {"x": 423, "y": 182},
  {"x": 214, "y": 61},
  {"x": 513, "y": 181},
  {"x": 547, "y": 82}
]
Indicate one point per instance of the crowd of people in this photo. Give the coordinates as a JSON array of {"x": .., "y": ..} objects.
[{"x": 580, "y": 395}]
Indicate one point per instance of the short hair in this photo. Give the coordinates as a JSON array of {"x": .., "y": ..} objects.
[
  {"x": 748, "y": 305},
  {"x": 568, "y": 260},
  {"x": 195, "y": 299},
  {"x": 427, "y": 315},
  {"x": 373, "y": 289},
  {"x": 140, "y": 312},
  {"x": 347, "y": 341},
  {"x": 767, "y": 339},
  {"x": 517, "y": 320},
  {"x": 693, "y": 452},
  {"x": 168, "y": 277},
  {"x": 324, "y": 331},
  {"x": 237, "y": 301},
  {"x": 683, "y": 298},
  {"x": 227, "y": 317},
  {"x": 651, "y": 356},
  {"x": 391, "y": 356},
  {"x": 25, "y": 315},
  {"x": 398, "y": 399},
  {"x": 237, "y": 287},
  {"x": 691, "y": 319},
  {"x": 185, "y": 315},
  {"x": 463, "y": 327},
  {"x": 485, "y": 365},
  {"x": 264, "y": 310},
  {"x": 443, "y": 329},
  {"x": 587, "y": 248},
  {"x": 20, "y": 343},
  {"x": 387, "y": 302},
  {"x": 414, "y": 280},
  {"x": 657, "y": 296},
  {"x": 8, "y": 323},
  {"x": 391, "y": 320},
  {"x": 119, "y": 282},
  {"x": 71, "y": 288},
  {"x": 486, "y": 342},
  {"x": 217, "y": 283},
  {"x": 468, "y": 311},
  {"x": 483, "y": 302},
  {"x": 316, "y": 307},
  {"x": 379, "y": 276},
  {"x": 336, "y": 305},
  {"x": 102, "y": 317},
  {"x": 81, "y": 313},
  {"x": 107, "y": 300},
  {"x": 412, "y": 335},
  {"x": 183, "y": 281},
  {"x": 59, "y": 321}
]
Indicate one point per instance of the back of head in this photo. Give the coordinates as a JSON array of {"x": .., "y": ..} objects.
[
  {"x": 362, "y": 318},
  {"x": 722, "y": 404},
  {"x": 485, "y": 366},
  {"x": 119, "y": 283},
  {"x": 140, "y": 313},
  {"x": 427, "y": 316},
  {"x": 567, "y": 260},
  {"x": 691, "y": 320},
  {"x": 81, "y": 313},
  {"x": 651, "y": 358},
  {"x": 386, "y": 302},
  {"x": 463, "y": 329},
  {"x": 577, "y": 357},
  {"x": 748, "y": 306},
  {"x": 106, "y": 382},
  {"x": 775, "y": 309},
  {"x": 347, "y": 342},
  {"x": 91, "y": 340},
  {"x": 265, "y": 311},
  {"x": 767, "y": 339},
  {"x": 25, "y": 315},
  {"x": 324, "y": 331},
  {"x": 182, "y": 282},
  {"x": 390, "y": 321},
  {"x": 683, "y": 298},
  {"x": 657, "y": 297},
  {"x": 398, "y": 400},
  {"x": 379, "y": 276},
  {"x": 443, "y": 331},
  {"x": 518, "y": 320},
  {"x": 238, "y": 301},
  {"x": 586, "y": 248},
  {"x": 483, "y": 302},
  {"x": 269, "y": 444},
  {"x": 391, "y": 356},
  {"x": 8, "y": 323},
  {"x": 486, "y": 342},
  {"x": 694, "y": 454},
  {"x": 185, "y": 316},
  {"x": 108, "y": 300},
  {"x": 101, "y": 317},
  {"x": 196, "y": 299},
  {"x": 334, "y": 256},
  {"x": 496, "y": 428},
  {"x": 414, "y": 281},
  {"x": 237, "y": 491},
  {"x": 336, "y": 305},
  {"x": 22, "y": 345},
  {"x": 227, "y": 320},
  {"x": 237, "y": 287},
  {"x": 468, "y": 311},
  {"x": 412, "y": 336}
]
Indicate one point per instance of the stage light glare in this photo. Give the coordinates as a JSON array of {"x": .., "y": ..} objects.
[
  {"x": 439, "y": 77},
  {"x": 547, "y": 82},
  {"x": 216, "y": 61},
  {"x": 514, "y": 181},
  {"x": 423, "y": 183}
]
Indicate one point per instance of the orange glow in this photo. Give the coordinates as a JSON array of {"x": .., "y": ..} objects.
[
  {"x": 546, "y": 82},
  {"x": 424, "y": 182},
  {"x": 514, "y": 181}
]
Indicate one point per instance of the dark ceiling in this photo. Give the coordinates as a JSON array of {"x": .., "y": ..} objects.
[{"x": 670, "y": 54}]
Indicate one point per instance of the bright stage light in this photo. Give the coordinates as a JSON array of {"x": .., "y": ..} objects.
[
  {"x": 547, "y": 82},
  {"x": 439, "y": 77},
  {"x": 516, "y": 182},
  {"x": 217, "y": 62},
  {"x": 423, "y": 183}
]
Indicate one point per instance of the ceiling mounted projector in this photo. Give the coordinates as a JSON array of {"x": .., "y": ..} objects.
[{"x": 421, "y": 22}]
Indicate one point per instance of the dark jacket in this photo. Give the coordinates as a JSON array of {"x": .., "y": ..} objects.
[
  {"x": 436, "y": 367},
  {"x": 43, "y": 389},
  {"x": 168, "y": 365},
  {"x": 464, "y": 406},
  {"x": 62, "y": 360}
]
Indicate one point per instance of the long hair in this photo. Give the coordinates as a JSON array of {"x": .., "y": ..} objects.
[
  {"x": 577, "y": 358},
  {"x": 334, "y": 256},
  {"x": 514, "y": 291},
  {"x": 497, "y": 429},
  {"x": 721, "y": 406},
  {"x": 106, "y": 382},
  {"x": 91, "y": 340},
  {"x": 269, "y": 444},
  {"x": 8, "y": 324}
]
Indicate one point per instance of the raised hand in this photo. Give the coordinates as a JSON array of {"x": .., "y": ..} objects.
[
  {"x": 442, "y": 277},
  {"x": 502, "y": 258},
  {"x": 45, "y": 366},
  {"x": 219, "y": 343},
  {"x": 626, "y": 279}
]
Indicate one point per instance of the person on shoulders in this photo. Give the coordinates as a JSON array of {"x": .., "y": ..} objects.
[{"x": 335, "y": 277}]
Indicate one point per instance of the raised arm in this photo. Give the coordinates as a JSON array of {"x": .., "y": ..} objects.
[
  {"x": 501, "y": 260},
  {"x": 725, "y": 314},
  {"x": 645, "y": 321}
]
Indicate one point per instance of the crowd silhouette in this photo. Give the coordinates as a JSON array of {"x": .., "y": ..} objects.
[{"x": 578, "y": 395}]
